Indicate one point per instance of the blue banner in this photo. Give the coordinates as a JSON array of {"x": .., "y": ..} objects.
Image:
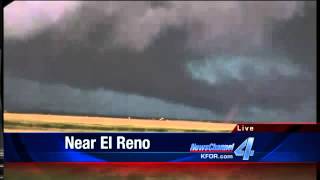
[{"x": 162, "y": 147}]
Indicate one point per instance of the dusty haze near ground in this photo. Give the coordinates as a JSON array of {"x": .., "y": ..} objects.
[{"x": 93, "y": 123}]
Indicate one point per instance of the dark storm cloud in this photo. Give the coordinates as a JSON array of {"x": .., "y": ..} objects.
[
  {"x": 147, "y": 49},
  {"x": 297, "y": 38},
  {"x": 30, "y": 96},
  {"x": 34, "y": 97},
  {"x": 137, "y": 24}
]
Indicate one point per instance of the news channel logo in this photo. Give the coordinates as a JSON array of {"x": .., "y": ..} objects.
[{"x": 213, "y": 150}]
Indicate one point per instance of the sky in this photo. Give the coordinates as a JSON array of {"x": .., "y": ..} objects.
[{"x": 223, "y": 61}]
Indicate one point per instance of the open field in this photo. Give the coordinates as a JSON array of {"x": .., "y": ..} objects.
[{"x": 16, "y": 122}]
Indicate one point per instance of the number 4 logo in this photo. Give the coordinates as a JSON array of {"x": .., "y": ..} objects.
[{"x": 245, "y": 149}]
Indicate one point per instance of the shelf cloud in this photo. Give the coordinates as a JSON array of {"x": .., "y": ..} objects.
[{"x": 253, "y": 60}]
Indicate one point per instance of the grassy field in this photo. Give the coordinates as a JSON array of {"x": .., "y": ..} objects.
[{"x": 16, "y": 122}]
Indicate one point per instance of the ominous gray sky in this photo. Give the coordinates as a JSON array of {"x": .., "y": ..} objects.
[{"x": 243, "y": 61}]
